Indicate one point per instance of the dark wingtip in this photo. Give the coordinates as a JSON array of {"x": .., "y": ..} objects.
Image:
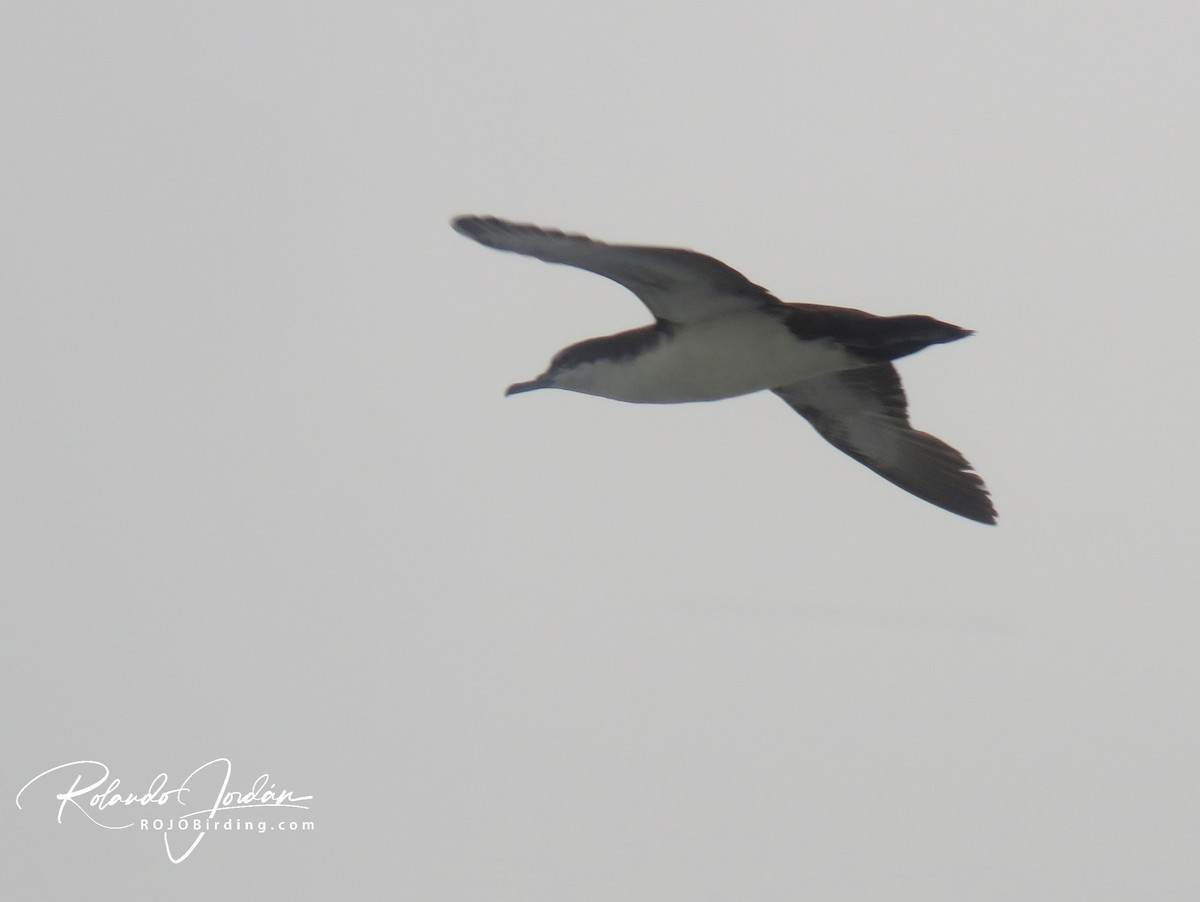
[
  {"x": 465, "y": 225},
  {"x": 965, "y": 495},
  {"x": 490, "y": 231},
  {"x": 987, "y": 516}
]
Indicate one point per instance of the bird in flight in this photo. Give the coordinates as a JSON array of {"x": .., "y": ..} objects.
[{"x": 718, "y": 335}]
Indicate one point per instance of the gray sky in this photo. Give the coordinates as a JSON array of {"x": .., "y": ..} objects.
[{"x": 264, "y": 499}]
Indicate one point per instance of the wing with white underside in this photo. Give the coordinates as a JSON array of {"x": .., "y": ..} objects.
[
  {"x": 678, "y": 286},
  {"x": 863, "y": 412}
]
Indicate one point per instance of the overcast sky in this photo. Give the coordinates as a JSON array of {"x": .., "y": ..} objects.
[{"x": 264, "y": 499}]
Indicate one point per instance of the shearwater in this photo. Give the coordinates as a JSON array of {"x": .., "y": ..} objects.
[{"x": 718, "y": 335}]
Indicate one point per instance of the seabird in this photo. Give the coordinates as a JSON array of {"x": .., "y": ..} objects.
[{"x": 718, "y": 335}]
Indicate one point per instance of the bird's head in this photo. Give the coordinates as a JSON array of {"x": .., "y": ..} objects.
[
  {"x": 542, "y": 381},
  {"x": 561, "y": 373}
]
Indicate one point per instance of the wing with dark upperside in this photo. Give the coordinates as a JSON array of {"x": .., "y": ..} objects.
[
  {"x": 864, "y": 413},
  {"x": 677, "y": 286}
]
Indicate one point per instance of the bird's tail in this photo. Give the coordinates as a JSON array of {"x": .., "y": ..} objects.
[
  {"x": 892, "y": 337},
  {"x": 875, "y": 337}
]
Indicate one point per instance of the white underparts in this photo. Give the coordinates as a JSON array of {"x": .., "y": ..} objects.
[{"x": 717, "y": 358}]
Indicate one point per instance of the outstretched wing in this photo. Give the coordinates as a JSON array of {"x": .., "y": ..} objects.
[
  {"x": 863, "y": 412},
  {"x": 678, "y": 286}
]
